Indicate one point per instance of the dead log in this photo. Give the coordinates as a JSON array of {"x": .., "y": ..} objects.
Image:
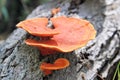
[{"x": 19, "y": 61}]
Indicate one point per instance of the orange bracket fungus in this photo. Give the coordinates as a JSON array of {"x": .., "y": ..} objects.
[
  {"x": 74, "y": 33},
  {"x": 68, "y": 34},
  {"x": 60, "y": 63}
]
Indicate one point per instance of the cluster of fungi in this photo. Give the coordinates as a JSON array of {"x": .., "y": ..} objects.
[{"x": 68, "y": 34}]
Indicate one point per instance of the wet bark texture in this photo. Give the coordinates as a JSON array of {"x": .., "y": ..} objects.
[{"x": 96, "y": 60}]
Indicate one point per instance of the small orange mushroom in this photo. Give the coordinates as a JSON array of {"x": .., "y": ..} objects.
[
  {"x": 55, "y": 10},
  {"x": 60, "y": 63},
  {"x": 37, "y": 27}
]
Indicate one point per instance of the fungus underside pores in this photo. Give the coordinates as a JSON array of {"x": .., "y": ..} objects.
[{"x": 69, "y": 33}]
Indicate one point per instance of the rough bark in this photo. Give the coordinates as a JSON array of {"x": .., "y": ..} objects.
[{"x": 19, "y": 61}]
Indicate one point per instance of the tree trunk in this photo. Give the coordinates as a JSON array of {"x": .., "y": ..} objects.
[{"x": 19, "y": 61}]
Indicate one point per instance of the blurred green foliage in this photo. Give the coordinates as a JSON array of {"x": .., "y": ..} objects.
[
  {"x": 3, "y": 10},
  {"x": 13, "y": 11},
  {"x": 117, "y": 73}
]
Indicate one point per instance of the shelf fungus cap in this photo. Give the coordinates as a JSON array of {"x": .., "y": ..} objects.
[
  {"x": 60, "y": 63},
  {"x": 74, "y": 33},
  {"x": 37, "y": 27}
]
